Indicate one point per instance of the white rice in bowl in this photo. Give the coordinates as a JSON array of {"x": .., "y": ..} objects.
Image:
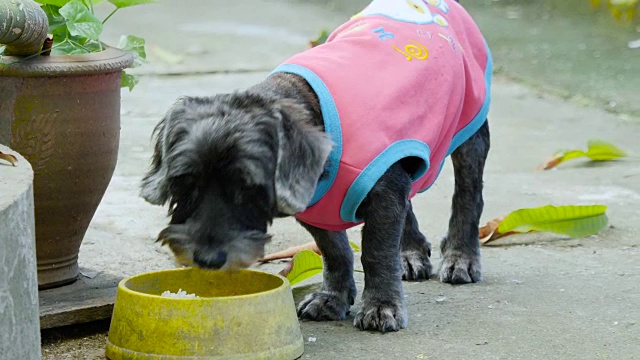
[{"x": 180, "y": 294}]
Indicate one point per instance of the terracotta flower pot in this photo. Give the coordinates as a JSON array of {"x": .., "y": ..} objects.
[{"x": 63, "y": 114}]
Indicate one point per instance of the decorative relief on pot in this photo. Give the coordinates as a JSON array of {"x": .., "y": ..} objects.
[
  {"x": 34, "y": 139},
  {"x": 9, "y": 88}
]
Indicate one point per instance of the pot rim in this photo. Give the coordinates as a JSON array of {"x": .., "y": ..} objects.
[{"x": 109, "y": 60}]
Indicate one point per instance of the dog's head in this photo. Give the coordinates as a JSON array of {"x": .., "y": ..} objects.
[{"x": 227, "y": 165}]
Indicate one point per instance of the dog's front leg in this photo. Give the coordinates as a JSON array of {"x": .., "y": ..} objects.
[
  {"x": 384, "y": 211},
  {"x": 338, "y": 287}
]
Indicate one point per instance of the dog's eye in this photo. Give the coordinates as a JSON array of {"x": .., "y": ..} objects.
[
  {"x": 184, "y": 192},
  {"x": 255, "y": 195},
  {"x": 183, "y": 184}
]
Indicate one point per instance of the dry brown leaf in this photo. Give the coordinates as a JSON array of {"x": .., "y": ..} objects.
[
  {"x": 290, "y": 252},
  {"x": 287, "y": 269},
  {"x": 552, "y": 162},
  {"x": 8, "y": 157},
  {"x": 489, "y": 231}
]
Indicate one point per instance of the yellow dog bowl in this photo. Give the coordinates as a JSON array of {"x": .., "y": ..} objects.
[{"x": 240, "y": 315}]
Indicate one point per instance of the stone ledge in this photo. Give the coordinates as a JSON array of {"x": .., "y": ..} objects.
[{"x": 18, "y": 274}]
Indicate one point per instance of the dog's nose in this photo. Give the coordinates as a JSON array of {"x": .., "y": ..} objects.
[{"x": 210, "y": 260}]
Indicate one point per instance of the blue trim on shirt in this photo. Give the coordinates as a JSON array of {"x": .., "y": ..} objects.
[
  {"x": 331, "y": 125},
  {"x": 378, "y": 166},
  {"x": 434, "y": 179}
]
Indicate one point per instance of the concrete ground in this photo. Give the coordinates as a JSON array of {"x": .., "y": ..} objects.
[{"x": 543, "y": 296}]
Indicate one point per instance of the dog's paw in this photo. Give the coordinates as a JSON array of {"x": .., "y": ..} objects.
[
  {"x": 416, "y": 265},
  {"x": 457, "y": 268},
  {"x": 382, "y": 316},
  {"x": 323, "y": 306}
]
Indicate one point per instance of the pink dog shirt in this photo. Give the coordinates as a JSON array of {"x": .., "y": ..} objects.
[{"x": 400, "y": 79}]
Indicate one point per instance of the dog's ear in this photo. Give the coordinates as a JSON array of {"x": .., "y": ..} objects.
[
  {"x": 302, "y": 153},
  {"x": 155, "y": 187}
]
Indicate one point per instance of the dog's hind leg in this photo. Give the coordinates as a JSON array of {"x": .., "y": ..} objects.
[
  {"x": 384, "y": 211},
  {"x": 338, "y": 291},
  {"x": 415, "y": 250},
  {"x": 461, "y": 247}
]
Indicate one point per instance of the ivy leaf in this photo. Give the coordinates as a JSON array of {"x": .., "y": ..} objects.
[
  {"x": 56, "y": 21},
  {"x": 93, "y": 2},
  {"x": 129, "y": 81},
  {"x": 57, "y": 27},
  {"x": 305, "y": 264},
  {"x": 89, "y": 46},
  {"x": 135, "y": 46},
  {"x": 61, "y": 3},
  {"x": 66, "y": 48},
  {"x": 75, "y": 45},
  {"x": 126, "y": 3},
  {"x": 80, "y": 21},
  {"x": 597, "y": 150},
  {"x": 58, "y": 3},
  {"x": 571, "y": 220}
]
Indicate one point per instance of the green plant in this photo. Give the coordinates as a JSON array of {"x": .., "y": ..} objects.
[
  {"x": 620, "y": 9},
  {"x": 76, "y": 30}
]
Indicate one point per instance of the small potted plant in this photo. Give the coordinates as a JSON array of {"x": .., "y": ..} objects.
[{"x": 60, "y": 108}]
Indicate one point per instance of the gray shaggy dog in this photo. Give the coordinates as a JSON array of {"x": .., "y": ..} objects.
[{"x": 230, "y": 163}]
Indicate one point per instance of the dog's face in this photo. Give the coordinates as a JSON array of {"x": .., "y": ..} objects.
[{"x": 218, "y": 162}]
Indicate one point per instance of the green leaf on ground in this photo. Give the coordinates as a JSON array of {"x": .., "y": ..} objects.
[
  {"x": 622, "y": 9},
  {"x": 80, "y": 21},
  {"x": 570, "y": 220},
  {"x": 354, "y": 246},
  {"x": 321, "y": 39},
  {"x": 2, "y": 48},
  {"x": 126, "y": 3},
  {"x": 597, "y": 150},
  {"x": 306, "y": 264}
]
